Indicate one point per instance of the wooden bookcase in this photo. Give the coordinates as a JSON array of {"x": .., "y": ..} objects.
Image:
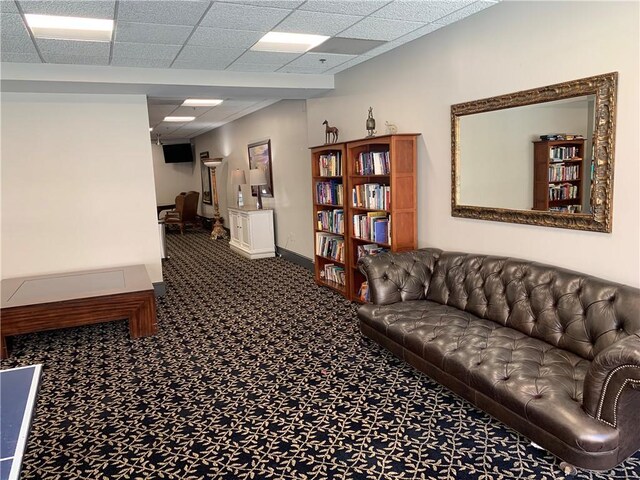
[
  {"x": 558, "y": 170},
  {"x": 326, "y": 210},
  {"x": 391, "y": 194}
]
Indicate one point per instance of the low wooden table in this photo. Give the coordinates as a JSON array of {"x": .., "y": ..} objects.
[{"x": 49, "y": 302}]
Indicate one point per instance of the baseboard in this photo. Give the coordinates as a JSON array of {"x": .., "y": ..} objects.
[
  {"x": 294, "y": 257},
  {"x": 159, "y": 288}
]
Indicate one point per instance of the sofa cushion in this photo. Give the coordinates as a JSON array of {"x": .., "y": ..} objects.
[
  {"x": 532, "y": 378},
  {"x": 566, "y": 309}
]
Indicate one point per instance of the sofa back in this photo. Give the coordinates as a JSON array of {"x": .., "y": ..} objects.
[
  {"x": 570, "y": 310},
  {"x": 567, "y": 309}
]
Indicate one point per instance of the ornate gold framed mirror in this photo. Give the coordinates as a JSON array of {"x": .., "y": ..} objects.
[{"x": 540, "y": 157}]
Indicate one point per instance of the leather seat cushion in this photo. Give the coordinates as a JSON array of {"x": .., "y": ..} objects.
[{"x": 532, "y": 378}]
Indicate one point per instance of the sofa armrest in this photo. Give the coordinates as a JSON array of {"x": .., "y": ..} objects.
[
  {"x": 396, "y": 277},
  {"x": 612, "y": 370}
]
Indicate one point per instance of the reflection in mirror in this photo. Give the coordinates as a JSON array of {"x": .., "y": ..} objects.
[{"x": 539, "y": 156}]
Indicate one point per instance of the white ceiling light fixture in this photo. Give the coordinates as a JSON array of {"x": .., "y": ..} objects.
[
  {"x": 288, "y": 42},
  {"x": 151, "y": 129},
  {"x": 178, "y": 119},
  {"x": 70, "y": 28},
  {"x": 201, "y": 102}
]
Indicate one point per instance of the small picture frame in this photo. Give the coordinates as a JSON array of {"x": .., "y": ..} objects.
[{"x": 260, "y": 157}]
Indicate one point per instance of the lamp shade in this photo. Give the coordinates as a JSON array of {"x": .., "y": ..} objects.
[
  {"x": 257, "y": 177},
  {"x": 238, "y": 177},
  {"x": 212, "y": 162}
]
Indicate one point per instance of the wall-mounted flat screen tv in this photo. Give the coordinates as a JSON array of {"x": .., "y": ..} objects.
[{"x": 178, "y": 153}]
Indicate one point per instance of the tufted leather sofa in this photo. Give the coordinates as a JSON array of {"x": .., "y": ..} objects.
[{"x": 552, "y": 353}]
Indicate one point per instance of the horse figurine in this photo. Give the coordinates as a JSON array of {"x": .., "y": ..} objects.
[{"x": 330, "y": 133}]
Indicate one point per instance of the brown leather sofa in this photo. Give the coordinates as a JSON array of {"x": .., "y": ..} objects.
[{"x": 552, "y": 353}]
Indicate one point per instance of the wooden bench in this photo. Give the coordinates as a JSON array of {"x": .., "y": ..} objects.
[{"x": 48, "y": 302}]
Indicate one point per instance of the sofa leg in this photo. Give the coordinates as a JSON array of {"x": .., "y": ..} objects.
[{"x": 568, "y": 469}]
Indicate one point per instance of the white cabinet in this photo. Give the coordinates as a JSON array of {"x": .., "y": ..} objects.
[{"x": 252, "y": 232}]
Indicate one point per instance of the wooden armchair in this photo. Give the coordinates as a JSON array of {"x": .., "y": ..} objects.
[{"x": 185, "y": 212}]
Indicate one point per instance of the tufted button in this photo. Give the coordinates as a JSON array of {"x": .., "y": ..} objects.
[
  {"x": 612, "y": 298},
  {"x": 506, "y": 378},
  {"x": 537, "y": 396},
  {"x": 385, "y": 277}
]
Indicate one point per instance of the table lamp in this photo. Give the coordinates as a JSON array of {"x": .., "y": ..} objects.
[
  {"x": 238, "y": 178},
  {"x": 257, "y": 178}
]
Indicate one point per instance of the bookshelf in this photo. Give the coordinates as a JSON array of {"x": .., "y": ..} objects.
[
  {"x": 329, "y": 216},
  {"x": 382, "y": 204},
  {"x": 558, "y": 171}
]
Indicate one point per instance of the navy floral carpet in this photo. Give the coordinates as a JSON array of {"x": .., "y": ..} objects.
[{"x": 255, "y": 373}]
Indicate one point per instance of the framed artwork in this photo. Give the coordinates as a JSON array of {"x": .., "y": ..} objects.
[
  {"x": 260, "y": 157},
  {"x": 205, "y": 176}
]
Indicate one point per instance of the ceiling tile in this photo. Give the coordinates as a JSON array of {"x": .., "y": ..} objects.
[
  {"x": 163, "y": 12},
  {"x": 12, "y": 24},
  {"x": 92, "y": 9},
  {"x": 420, "y": 11},
  {"x": 158, "y": 112},
  {"x": 223, "y": 38},
  {"x": 243, "y": 17},
  {"x": 8, "y": 6},
  {"x": 465, "y": 12},
  {"x": 77, "y": 59},
  {"x": 349, "y": 64},
  {"x": 70, "y": 47},
  {"x": 317, "y": 23},
  {"x": 346, "y": 46},
  {"x": 19, "y": 57},
  {"x": 17, "y": 44},
  {"x": 239, "y": 67},
  {"x": 380, "y": 29},
  {"x": 191, "y": 111},
  {"x": 141, "y": 62},
  {"x": 266, "y": 58},
  {"x": 206, "y": 58},
  {"x": 311, "y": 62},
  {"x": 291, "y": 4},
  {"x": 145, "y": 50},
  {"x": 353, "y": 7},
  {"x": 152, "y": 33}
]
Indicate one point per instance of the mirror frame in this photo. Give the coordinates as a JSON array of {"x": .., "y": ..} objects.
[{"x": 604, "y": 87}]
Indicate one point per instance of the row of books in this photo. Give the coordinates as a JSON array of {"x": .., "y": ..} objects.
[
  {"x": 372, "y": 195},
  {"x": 330, "y": 193},
  {"x": 331, "y": 220},
  {"x": 564, "y": 153},
  {"x": 561, "y": 136},
  {"x": 330, "y": 246},
  {"x": 330, "y": 165},
  {"x": 373, "y": 163},
  {"x": 566, "y": 191},
  {"x": 333, "y": 273},
  {"x": 370, "y": 249},
  {"x": 567, "y": 209},
  {"x": 373, "y": 226},
  {"x": 559, "y": 173}
]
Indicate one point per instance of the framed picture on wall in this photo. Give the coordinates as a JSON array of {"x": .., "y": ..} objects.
[
  {"x": 205, "y": 176},
  {"x": 260, "y": 157}
]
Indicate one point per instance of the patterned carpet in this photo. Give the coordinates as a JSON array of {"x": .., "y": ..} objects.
[{"x": 255, "y": 373}]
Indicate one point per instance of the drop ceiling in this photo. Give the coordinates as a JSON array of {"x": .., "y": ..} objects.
[{"x": 218, "y": 35}]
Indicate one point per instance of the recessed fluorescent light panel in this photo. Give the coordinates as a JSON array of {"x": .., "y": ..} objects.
[
  {"x": 179, "y": 119},
  {"x": 201, "y": 102},
  {"x": 70, "y": 28},
  {"x": 288, "y": 42}
]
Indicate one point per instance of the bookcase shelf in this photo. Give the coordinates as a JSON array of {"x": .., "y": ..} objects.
[
  {"x": 558, "y": 169},
  {"x": 390, "y": 181}
]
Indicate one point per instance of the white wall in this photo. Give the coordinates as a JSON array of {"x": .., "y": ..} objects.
[
  {"x": 285, "y": 124},
  {"x": 172, "y": 178},
  {"x": 77, "y": 184},
  {"x": 506, "y": 48}
]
